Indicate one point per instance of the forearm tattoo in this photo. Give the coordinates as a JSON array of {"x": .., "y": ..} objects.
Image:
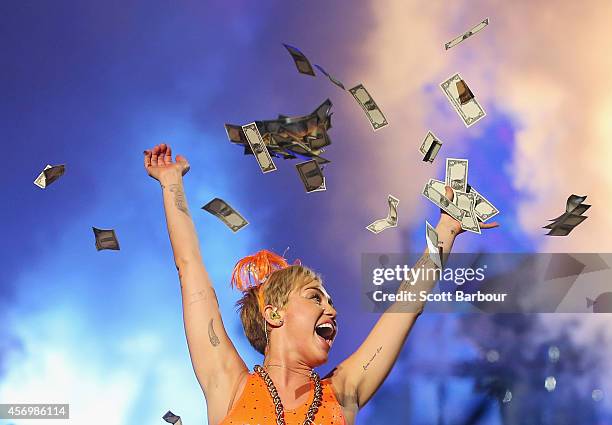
[
  {"x": 202, "y": 295},
  {"x": 378, "y": 350},
  {"x": 214, "y": 339},
  {"x": 179, "y": 197}
]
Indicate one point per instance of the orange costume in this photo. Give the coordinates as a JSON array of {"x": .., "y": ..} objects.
[{"x": 255, "y": 406}]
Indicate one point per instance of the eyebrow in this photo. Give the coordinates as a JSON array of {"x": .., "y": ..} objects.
[{"x": 321, "y": 292}]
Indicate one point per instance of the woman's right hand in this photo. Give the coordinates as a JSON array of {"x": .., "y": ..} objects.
[{"x": 158, "y": 163}]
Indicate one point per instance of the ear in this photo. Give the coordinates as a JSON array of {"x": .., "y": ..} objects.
[{"x": 272, "y": 315}]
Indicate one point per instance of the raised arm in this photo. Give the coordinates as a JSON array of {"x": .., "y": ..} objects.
[
  {"x": 215, "y": 360},
  {"x": 365, "y": 370}
]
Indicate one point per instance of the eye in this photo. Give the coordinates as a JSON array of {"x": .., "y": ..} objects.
[{"x": 316, "y": 297}]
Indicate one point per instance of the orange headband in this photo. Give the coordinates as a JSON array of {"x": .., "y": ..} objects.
[{"x": 254, "y": 271}]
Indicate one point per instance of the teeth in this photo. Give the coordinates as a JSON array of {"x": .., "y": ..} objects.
[{"x": 325, "y": 325}]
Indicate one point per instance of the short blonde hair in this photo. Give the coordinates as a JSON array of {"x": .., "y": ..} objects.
[{"x": 277, "y": 289}]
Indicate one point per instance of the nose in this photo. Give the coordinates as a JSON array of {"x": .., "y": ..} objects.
[{"x": 331, "y": 311}]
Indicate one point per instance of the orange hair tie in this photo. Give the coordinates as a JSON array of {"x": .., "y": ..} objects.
[{"x": 254, "y": 270}]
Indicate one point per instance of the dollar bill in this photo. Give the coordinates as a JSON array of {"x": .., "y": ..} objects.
[
  {"x": 387, "y": 222},
  {"x": 303, "y": 149},
  {"x": 576, "y": 210},
  {"x": 288, "y": 137},
  {"x": 311, "y": 175},
  {"x": 457, "y": 173},
  {"x": 575, "y": 201},
  {"x": 471, "y": 111},
  {"x": 464, "y": 92},
  {"x": 224, "y": 212},
  {"x": 235, "y": 134},
  {"x": 572, "y": 217},
  {"x": 380, "y": 225},
  {"x": 301, "y": 62},
  {"x": 478, "y": 27},
  {"x": 373, "y": 112},
  {"x": 566, "y": 221},
  {"x": 321, "y": 188},
  {"x": 50, "y": 174},
  {"x": 443, "y": 202},
  {"x": 564, "y": 225},
  {"x": 430, "y": 147},
  {"x": 105, "y": 239},
  {"x": 171, "y": 418},
  {"x": 579, "y": 209},
  {"x": 331, "y": 78},
  {"x": 40, "y": 180},
  {"x": 483, "y": 209},
  {"x": 465, "y": 202},
  {"x": 438, "y": 185},
  {"x": 258, "y": 147},
  {"x": 433, "y": 244}
]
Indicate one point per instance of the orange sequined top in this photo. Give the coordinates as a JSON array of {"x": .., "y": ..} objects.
[{"x": 255, "y": 406}]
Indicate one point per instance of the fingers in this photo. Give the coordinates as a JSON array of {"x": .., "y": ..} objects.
[
  {"x": 147, "y": 158},
  {"x": 168, "y": 155},
  {"x": 154, "y": 156},
  {"x": 449, "y": 193},
  {"x": 183, "y": 161},
  {"x": 161, "y": 157},
  {"x": 489, "y": 225}
]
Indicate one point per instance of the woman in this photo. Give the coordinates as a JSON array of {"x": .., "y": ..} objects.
[{"x": 287, "y": 315}]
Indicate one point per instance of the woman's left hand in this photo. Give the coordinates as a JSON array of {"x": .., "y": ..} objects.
[{"x": 447, "y": 221}]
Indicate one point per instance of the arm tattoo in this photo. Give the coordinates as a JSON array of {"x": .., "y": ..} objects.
[
  {"x": 203, "y": 295},
  {"x": 365, "y": 366},
  {"x": 424, "y": 263},
  {"x": 179, "y": 198},
  {"x": 214, "y": 340}
]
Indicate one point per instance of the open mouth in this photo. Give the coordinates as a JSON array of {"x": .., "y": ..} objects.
[{"x": 327, "y": 332}]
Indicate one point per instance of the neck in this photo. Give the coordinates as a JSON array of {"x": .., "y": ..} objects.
[
  {"x": 286, "y": 373},
  {"x": 290, "y": 369},
  {"x": 298, "y": 371}
]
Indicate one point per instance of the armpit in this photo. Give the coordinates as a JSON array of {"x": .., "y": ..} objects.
[
  {"x": 349, "y": 401},
  {"x": 346, "y": 396}
]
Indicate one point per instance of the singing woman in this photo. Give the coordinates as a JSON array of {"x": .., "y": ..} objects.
[{"x": 288, "y": 316}]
